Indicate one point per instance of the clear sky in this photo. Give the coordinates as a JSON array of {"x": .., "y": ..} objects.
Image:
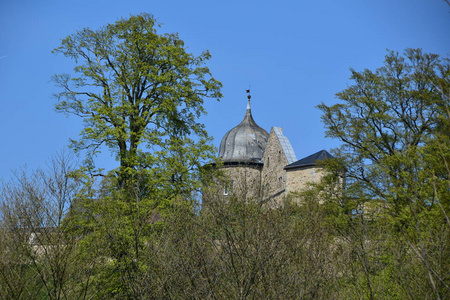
[{"x": 294, "y": 53}]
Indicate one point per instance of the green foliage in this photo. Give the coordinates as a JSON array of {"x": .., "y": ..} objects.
[
  {"x": 140, "y": 234},
  {"x": 110, "y": 246},
  {"x": 238, "y": 249},
  {"x": 140, "y": 94},
  {"x": 134, "y": 88},
  {"x": 394, "y": 125},
  {"x": 387, "y": 122}
]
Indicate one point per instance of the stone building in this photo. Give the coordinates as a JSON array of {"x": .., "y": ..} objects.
[{"x": 261, "y": 165}]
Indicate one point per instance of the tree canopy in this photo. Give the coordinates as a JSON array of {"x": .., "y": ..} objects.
[
  {"x": 394, "y": 123},
  {"x": 136, "y": 88},
  {"x": 388, "y": 120}
]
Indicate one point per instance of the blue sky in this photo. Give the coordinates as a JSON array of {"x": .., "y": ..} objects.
[{"x": 295, "y": 54}]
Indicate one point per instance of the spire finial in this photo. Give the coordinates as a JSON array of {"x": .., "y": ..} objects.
[{"x": 248, "y": 97}]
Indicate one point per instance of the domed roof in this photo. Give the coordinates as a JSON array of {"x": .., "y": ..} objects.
[{"x": 245, "y": 142}]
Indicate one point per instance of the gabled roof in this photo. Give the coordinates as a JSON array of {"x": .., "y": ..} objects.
[
  {"x": 310, "y": 160},
  {"x": 285, "y": 145}
]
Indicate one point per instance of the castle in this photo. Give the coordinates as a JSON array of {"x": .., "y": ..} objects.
[{"x": 263, "y": 165}]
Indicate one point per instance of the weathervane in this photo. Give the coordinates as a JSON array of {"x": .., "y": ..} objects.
[{"x": 248, "y": 96}]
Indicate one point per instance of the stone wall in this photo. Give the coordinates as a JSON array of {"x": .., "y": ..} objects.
[
  {"x": 299, "y": 179},
  {"x": 243, "y": 181},
  {"x": 273, "y": 173}
]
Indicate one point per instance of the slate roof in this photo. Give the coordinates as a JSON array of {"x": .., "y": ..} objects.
[
  {"x": 244, "y": 143},
  {"x": 309, "y": 160},
  {"x": 285, "y": 145}
]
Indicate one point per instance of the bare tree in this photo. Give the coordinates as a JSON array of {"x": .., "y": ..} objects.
[{"x": 39, "y": 254}]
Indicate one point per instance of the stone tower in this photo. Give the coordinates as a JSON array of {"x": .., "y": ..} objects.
[
  {"x": 260, "y": 166},
  {"x": 241, "y": 151}
]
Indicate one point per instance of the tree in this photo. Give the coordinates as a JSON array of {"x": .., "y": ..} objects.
[
  {"x": 39, "y": 254},
  {"x": 140, "y": 94},
  {"x": 388, "y": 116},
  {"x": 136, "y": 87},
  {"x": 242, "y": 249},
  {"x": 394, "y": 125}
]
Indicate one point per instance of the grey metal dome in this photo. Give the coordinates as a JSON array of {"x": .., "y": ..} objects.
[{"x": 245, "y": 142}]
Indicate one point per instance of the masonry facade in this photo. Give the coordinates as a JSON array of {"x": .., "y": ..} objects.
[{"x": 263, "y": 166}]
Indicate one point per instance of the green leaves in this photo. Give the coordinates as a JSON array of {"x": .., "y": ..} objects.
[
  {"x": 134, "y": 87},
  {"x": 140, "y": 94},
  {"x": 394, "y": 125},
  {"x": 389, "y": 114}
]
